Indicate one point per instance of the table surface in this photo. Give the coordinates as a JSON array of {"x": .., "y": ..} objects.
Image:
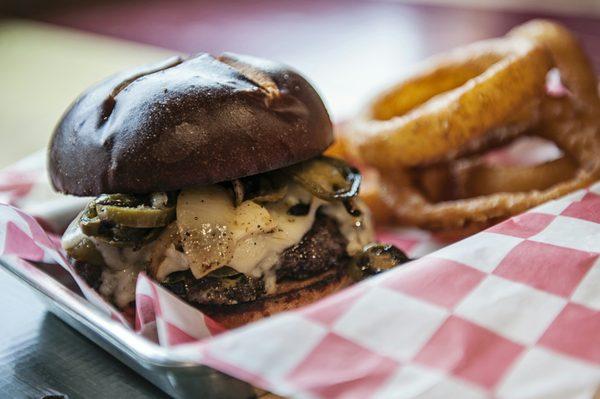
[{"x": 348, "y": 49}]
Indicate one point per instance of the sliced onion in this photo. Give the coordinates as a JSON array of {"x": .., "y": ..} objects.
[
  {"x": 250, "y": 219},
  {"x": 210, "y": 226},
  {"x": 238, "y": 191},
  {"x": 204, "y": 215},
  {"x": 268, "y": 187}
]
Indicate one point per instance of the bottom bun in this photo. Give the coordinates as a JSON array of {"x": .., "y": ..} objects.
[{"x": 289, "y": 295}]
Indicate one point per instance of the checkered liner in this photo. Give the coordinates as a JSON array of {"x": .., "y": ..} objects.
[{"x": 513, "y": 312}]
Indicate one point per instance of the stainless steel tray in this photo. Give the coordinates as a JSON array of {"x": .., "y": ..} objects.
[{"x": 153, "y": 362}]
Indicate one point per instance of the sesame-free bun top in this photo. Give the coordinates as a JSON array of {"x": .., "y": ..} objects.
[{"x": 184, "y": 122}]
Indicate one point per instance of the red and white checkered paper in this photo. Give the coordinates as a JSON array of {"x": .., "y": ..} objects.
[{"x": 512, "y": 312}]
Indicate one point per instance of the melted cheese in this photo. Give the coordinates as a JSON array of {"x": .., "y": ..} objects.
[
  {"x": 174, "y": 261},
  {"x": 122, "y": 265},
  {"x": 119, "y": 285},
  {"x": 256, "y": 253},
  {"x": 358, "y": 230},
  {"x": 120, "y": 275}
]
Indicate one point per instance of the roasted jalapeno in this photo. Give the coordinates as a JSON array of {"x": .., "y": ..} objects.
[
  {"x": 374, "y": 259},
  {"x": 89, "y": 222},
  {"x": 140, "y": 217},
  {"x": 224, "y": 271},
  {"x": 327, "y": 178},
  {"x": 125, "y": 220},
  {"x": 85, "y": 251},
  {"x": 119, "y": 200},
  {"x": 119, "y": 236},
  {"x": 269, "y": 187}
]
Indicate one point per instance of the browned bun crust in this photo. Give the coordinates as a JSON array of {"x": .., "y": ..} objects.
[
  {"x": 188, "y": 122},
  {"x": 289, "y": 295}
]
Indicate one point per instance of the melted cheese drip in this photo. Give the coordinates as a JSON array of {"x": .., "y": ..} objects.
[
  {"x": 357, "y": 230},
  {"x": 120, "y": 275},
  {"x": 119, "y": 285},
  {"x": 174, "y": 261},
  {"x": 122, "y": 265}
]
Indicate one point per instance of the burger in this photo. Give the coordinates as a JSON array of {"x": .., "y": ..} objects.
[{"x": 207, "y": 173}]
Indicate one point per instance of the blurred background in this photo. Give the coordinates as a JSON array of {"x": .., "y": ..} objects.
[{"x": 52, "y": 50}]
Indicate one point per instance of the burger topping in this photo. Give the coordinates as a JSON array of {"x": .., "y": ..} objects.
[
  {"x": 211, "y": 227},
  {"x": 82, "y": 248},
  {"x": 127, "y": 220},
  {"x": 140, "y": 217},
  {"x": 120, "y": 264},
  {"x": 268, "y": 187},
  {"x": 241, "y": 227},
  {"x": 248, "y": 238},
  {"x": 327, "y": 178},
  {"x": 119, "y": 285},
  {"x": 167, "y": 254},
  {"x": 374, "y": 259},
  {"x": 357, "y": 229},
  {"x": 323, "y": 245}
]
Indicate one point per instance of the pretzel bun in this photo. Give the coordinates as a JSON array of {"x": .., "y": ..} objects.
[{"x": 184, "y": 122}]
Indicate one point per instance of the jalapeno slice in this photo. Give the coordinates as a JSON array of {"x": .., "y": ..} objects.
[
  {"x": 122, "y": 200},
  {"x": 119, "y": 236},
  {"x": 222, "y": 272},
  {"x": 85, "y": 251},
  {"x": 124, "y": 220},
  {"x": 89, "y": 222},
  {"x": 269, "y": 187},
  {"x": 327, "y": 178},
  {"x": 271, "y": 194},
  {"x": 140, "y": 217},
  {"x": 374, "y": 259}
]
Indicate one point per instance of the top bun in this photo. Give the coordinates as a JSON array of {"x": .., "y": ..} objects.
[{"x": 184, "y": 122}]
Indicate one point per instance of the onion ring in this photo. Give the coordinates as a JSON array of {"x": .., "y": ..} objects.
[
  {"x": 471, "y": 178},
  {"x": 453, "y": 100},
  {"x": 417, "y": 139},
  {"x": 576, "y": 70},
  {"x": 579, "y": 138},
  {"x": 485, "y": 179}
]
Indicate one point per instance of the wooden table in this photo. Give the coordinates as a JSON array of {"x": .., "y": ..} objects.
[{"x": 348, "y": 48}]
